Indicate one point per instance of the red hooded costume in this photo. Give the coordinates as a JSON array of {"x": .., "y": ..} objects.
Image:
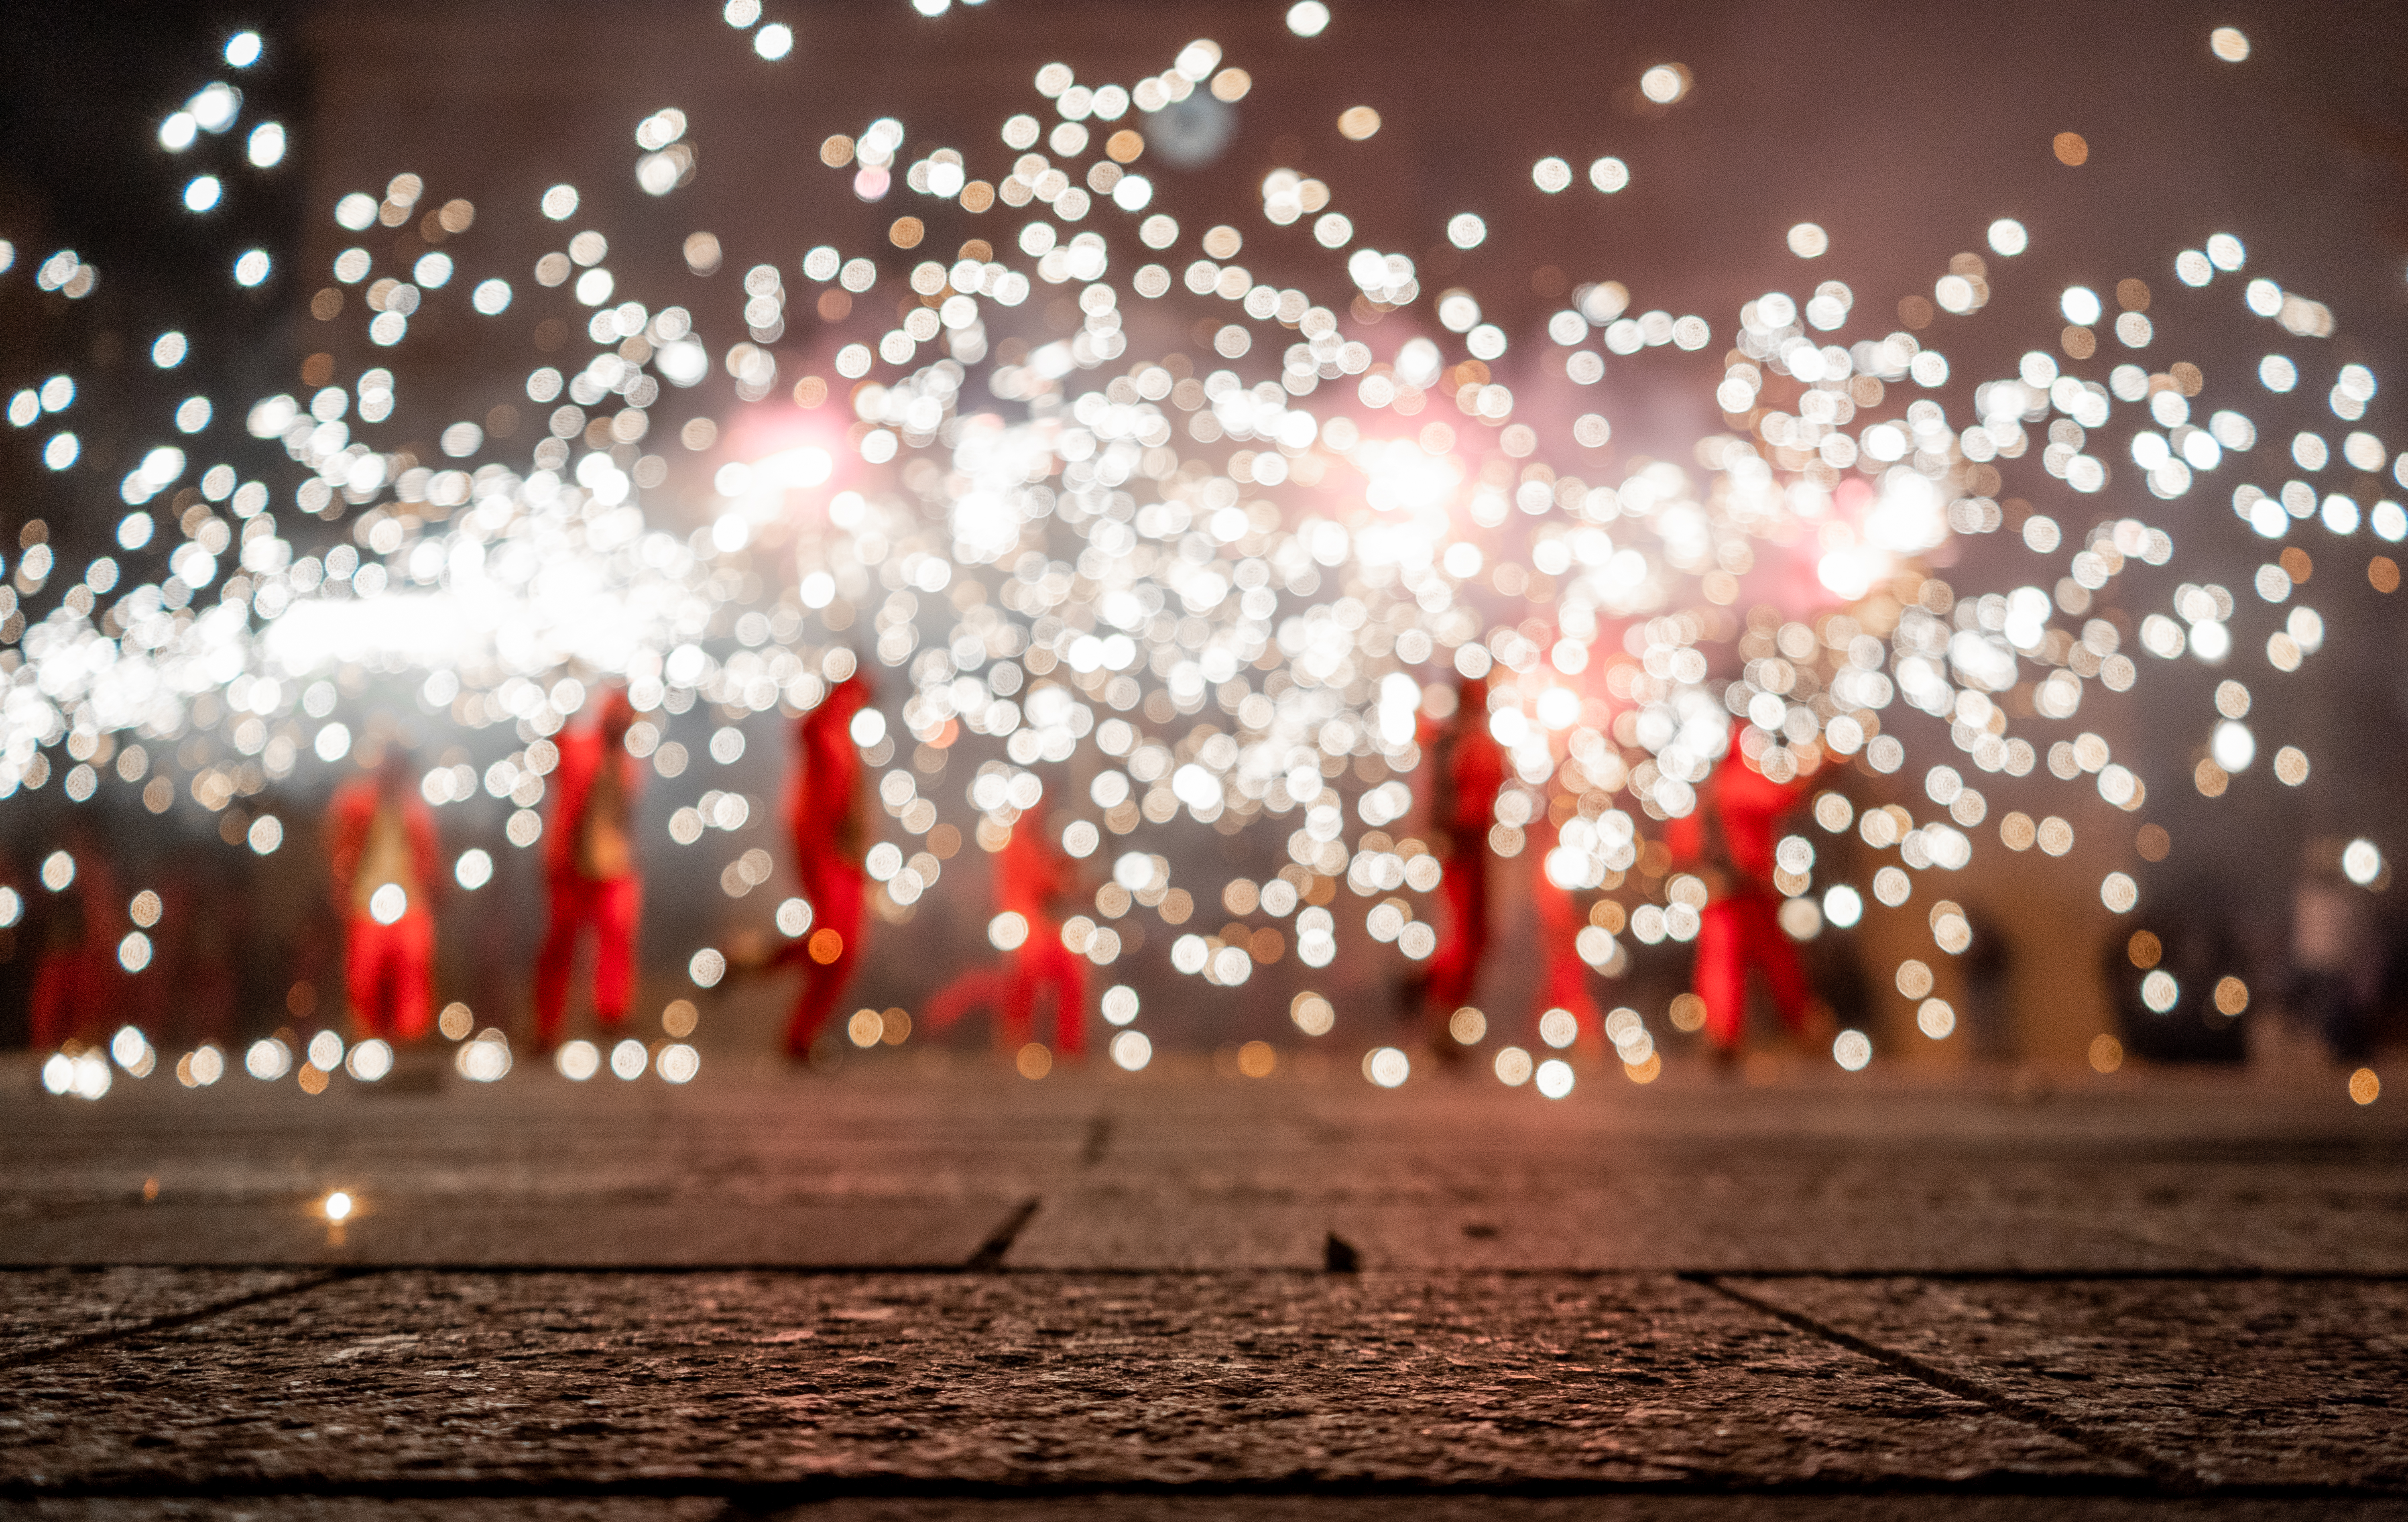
[
  {"x": 1728, "y": 840},
  {"x": 1031, "y": 878},
  {"x": 590, "y": 867},
  {"x": 1470, "y": 770},
  {"x": 826, "y": 811},
  {"x": 380, "y": 834}
]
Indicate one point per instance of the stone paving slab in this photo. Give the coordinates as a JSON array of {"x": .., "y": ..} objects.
[
  {"x": 548, "y": 1231},
  {"x": 780, "y": 1138},
  {"x": 2249, "y": 1381},
  {"x": 1679, "y": 1301},
  {"x": 1915, "y": 1204},
  {"x": 1160, "y": 1231},
  {"x": 1772, "y": 1229},
  {"x": 2286, "y": 1221},
  {"x": 1925, "y": 1217},
  {"x": 45, "y": 1311},
  {"x": 1019, "y": 1380},
  {"x": 900, "y": 1168}
]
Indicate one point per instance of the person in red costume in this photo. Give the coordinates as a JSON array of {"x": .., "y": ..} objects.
[
  {"x": 381, "y": 843},
  {"x": 1468, "y": 770},
  {"x": 590, "y": 867},
  {"x": 1563, "y": 977},
  {"x": 829, "y": 814},
  {"x": 1032, "y": 878},
  {"x": 1728, "y": 840}
]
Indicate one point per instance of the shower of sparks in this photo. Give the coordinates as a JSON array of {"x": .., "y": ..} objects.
[{"x": 1230, "y": 587}]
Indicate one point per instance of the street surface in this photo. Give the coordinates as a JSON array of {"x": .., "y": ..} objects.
[{"x": 920, "y": 1289}]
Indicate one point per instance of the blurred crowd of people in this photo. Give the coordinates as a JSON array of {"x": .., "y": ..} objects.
[{"x": 70, "y": 964}]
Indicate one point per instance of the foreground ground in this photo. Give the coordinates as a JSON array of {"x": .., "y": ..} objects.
[{"x": 897, "y": 1292}]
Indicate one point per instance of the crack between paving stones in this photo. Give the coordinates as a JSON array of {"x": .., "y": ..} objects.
[
  {"x": 989, "y": 1256},
  {"x": 2167, "y": 1473},
  {"x": 169, "y": 1323}
]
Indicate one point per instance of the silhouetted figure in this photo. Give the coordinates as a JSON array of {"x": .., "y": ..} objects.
[
  {"x": 1032, "y": 878},
  {"x": 590, "y": 870},
  {"x": 380, "y": 847},
  {"x": 2197, "y": 937},
  {"x": 1467, "y": 770},
  {"x": 2336, "y": 961},
  {"x": 1988, "y": 966},
  {"x": 1728, "y": 840},
  {"x": 829, "y": 815}
]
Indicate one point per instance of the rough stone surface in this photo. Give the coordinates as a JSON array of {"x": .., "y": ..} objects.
[
  {"x": 528, "y": 1173},
  {"x": 1013, "y": 1380},
  {"x": 397, "y": 1226},
  {"x": 43, "y": 1311},
  {"x": 908, "y": 1294},
  {"x": 2239, "y": 1382},
  {"x": 893, "y": 1168}
]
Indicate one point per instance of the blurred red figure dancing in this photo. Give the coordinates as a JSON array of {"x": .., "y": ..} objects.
[
  {"x": 1728, "y": 840},
  {"x": 381, "y": 839},
  {"x": 1470, "y": 771},
  {"x": 1031, "y": 880},
  {"x": 1563, "y": 979},
  {"x": 590, "y": 860},
  {"x": 830, "y": 820}
]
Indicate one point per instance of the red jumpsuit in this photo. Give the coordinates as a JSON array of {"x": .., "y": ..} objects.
[
  {"x": 1563, "y": 979},
  {"x": 1030, "y": 881},
  {"x": 590, "y": 864},
  {"x": 824, "y": 809},
  {"x": 1730, "y": 837},
  {"x": 379, "y": 832},
  {"x": 1470, "y": 772}
]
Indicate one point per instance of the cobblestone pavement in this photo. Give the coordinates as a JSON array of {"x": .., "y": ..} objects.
[{"x": 910, "y": 1294}]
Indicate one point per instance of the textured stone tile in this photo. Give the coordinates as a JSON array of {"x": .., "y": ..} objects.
[
  {"x": 46, "y": 1308},
  {"x": 2320, "y": 1215},
  {"x": 2239, "y": 1381},
  {"x": 1179, "y": 1170},
  {"x": 1457, "y": 1176},
  {"x": 1777, "y": 1223},
  {"x": 546, "y": 1231},
  {"x": 742, "y": 1138},
  {"x": 1027, "y": 1378}
]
